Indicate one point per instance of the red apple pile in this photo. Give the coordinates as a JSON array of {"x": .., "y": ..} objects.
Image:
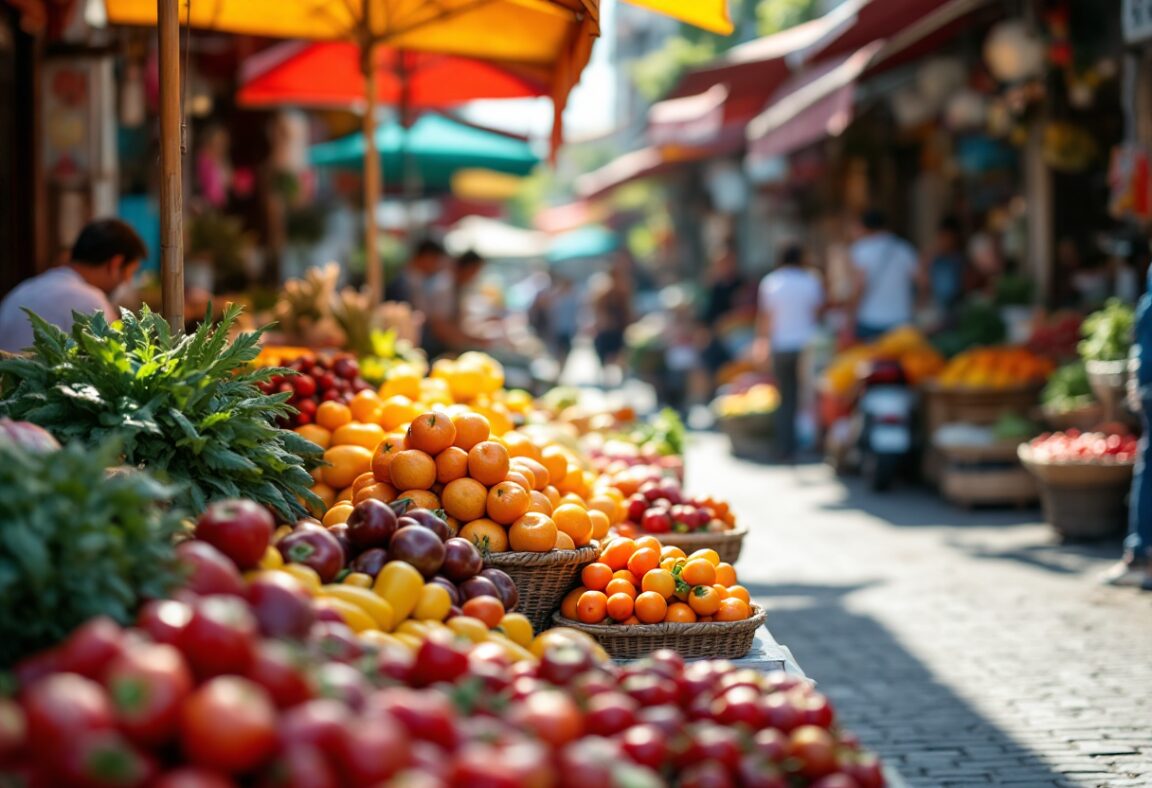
[
  {"x": 318, "y": 379},
  {"x": 660, "y": 506}
]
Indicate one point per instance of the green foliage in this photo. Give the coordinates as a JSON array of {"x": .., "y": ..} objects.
[
  {"x": 656, "y": 73},
  {"x": 978, "y": 323},
  {"x": 187, "y": 408},
  {"x": 1108, "y": 332},
  {"x": 1014, "y": 290},
  {"x": 1068, "y": 388},
  {"x": 772, "y": 16},
  {"x": 77, "y": 543}
]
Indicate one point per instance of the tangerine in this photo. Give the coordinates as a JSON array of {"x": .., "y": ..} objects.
[
  {"x": 624, "y": 574},
  {"x": 397, "y": 410},
  {"x": 420, "y": 499},
  {"x": 564, "y": 541},
  {"x": 507, "y": 502},
  {"x": 488, "y": 462},
  {"x": 620, "y": 606},
  {"x": 363, "y": 480},
  {"x": 620, "y": 586},
  {"x": 540, "y": 476},
  {"x": 698, "y": 572},
  {"x": 519, "y": 445},
  {"x": 337, "y": 514},
  {"x": 517, "y": 477},
  {"x": 345, "y": 463},
  {"x": 381, "y": 491},
  {"x": 596, "y": 576},
  {"x": 659, "y": 581},
  {"x": 555, "y": 460},
  {"x": 575, "y": 522},
  {"x": 489, "y": 537},
  {"x": 403, "y": 380},
  {"x": 600, "y": 523},
  {"x": 568, "y": 605},
  {"x": 533, "y": 532},
  {"x": 538, "y": 502},
  {"x": 365, "y": 407},
  {"x": 431, "y": 432},
  {"x": 412, "y": 469},
  {"x": 451, "y": 464},
  {"x": 465, "y": 499},
  {"x": 384, "y": 454},
  {"x": 315, "y": 433},
  {"x": 356, "y": 434},
  {"x": 643, "y": 561},
  {"x": 592, "y": 607},
  {"x": 680, "y": 613},
  {"x": 332, "y": 414},
  {"x": 732, "y": 609},
  {"x": 471, "y": 428},
  {"x": 617, "y": 552},
  {"x": 650, "y": 607},
  {"x": 553, "y": 495}
]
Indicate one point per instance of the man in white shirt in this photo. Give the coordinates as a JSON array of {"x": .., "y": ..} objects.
[
  {"x": 105, "y": 256},
  {"x": 887, "y": 273},
  {"x": 791, "y": 299}
]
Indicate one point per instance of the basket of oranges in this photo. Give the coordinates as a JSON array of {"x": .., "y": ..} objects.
[
  {"x": 641, "y": 595},
  {"x": 543, "y": 578},
  {"x": 727, "y": 543}
]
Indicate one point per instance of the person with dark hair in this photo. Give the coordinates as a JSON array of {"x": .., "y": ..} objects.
[
  {"x": 947, "y": 269},
  {"x": 791, "y": 299},
  {"x": 105, "y": 256},
  {"x": 427, "y": 285},
  {"x": 886, "y": 273}
]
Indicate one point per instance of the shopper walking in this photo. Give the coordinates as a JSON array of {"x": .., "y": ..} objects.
[
  {"x": 611, "y": 307},
  {"x": 1135, "y": 568},
  {"x": 791, "y": 299},
  {"x": 886, "y": 277}
]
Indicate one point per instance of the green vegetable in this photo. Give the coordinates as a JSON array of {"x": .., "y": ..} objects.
[
  {"x": 1108, "y": 332},
  {"x": 1068, "y": 389},
  {"x": 77, "y": 543},
  {"x": 187, "y": 408},
  {"x": 1012, "y": 427}
]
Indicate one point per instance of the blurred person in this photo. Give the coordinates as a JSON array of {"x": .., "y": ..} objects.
[
  {"x": 555, "y": 316},
  {"x": 791, "y": 301},
  {"x": 427, "y": 284},
  {"x": 611, "y": 308},
  {"x": 1135, "y": 568},
  {"x": 214, "y": 167},
  {"x": 946, "y": 270},
  {"x": 104, "y": 258},
  {"x": 885, "y": 270},
  {"x": 726, "y": 288}
]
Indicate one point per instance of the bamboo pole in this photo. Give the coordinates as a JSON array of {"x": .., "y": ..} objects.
[
  {"x": 373, "y": 271},
  {"x": 171, "y": 186}
]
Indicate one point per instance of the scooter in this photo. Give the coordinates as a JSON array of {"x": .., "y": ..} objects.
[{"x": 885, "y": 409}]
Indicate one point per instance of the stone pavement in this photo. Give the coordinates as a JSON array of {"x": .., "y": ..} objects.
[{"x": 967, "y": 648}]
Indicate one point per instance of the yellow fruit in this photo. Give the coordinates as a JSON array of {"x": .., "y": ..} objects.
[
  {"x": 372, "y": 604},
  {"x": 515, "y": 651},
  {"x": 358, "y": 579},
  {"x": 402, "y": 380},
  {"x": 412, "y": 642},
  {"x": 518, "y": 628},
  {"x": 357, "y": 434},
  {"x": 305, "y": 574},
  {"x": 315, "y": 433},
  {"x": 337, "y": 514},
  {"x": 271, "y": 558},
  {"x": 433, "y": 604},
  {"x": 397, "y": 410},
  {"x": 400, "y": 583},
  {"x": 353, "y": 616},
  {"x": 345, "y": 463},
  {"x": 412, "y": 627},
  {"x": 383, "y": 639},
  {"x": 472, "y": 628}
]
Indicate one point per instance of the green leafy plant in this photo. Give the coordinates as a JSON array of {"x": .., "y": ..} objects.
[
  {"x": 1068, "y": 389},
  {"x": 1108, "y": 332},
  {"x": 186, "y": 407},
  {"x": 77, "y": 542}
]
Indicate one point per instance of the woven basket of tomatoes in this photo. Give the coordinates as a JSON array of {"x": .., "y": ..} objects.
[
  {"x": 641, "y": 595},
  {"x": 690, "y": 523},
  {"x": 544, "y": 577}
]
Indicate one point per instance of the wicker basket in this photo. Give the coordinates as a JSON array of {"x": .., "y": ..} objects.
[
  {"x": 750, "y": 435},
  {"x": 710, "y": 640},
  {"x": 726, "y": 543},
  {"x": 1082, "y": 500},
  {"x": 543, "y": 578}
]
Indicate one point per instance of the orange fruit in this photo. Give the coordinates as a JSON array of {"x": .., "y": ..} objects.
[
  {"x": 332, "y": 414},
  {"x": 412, "y": 469},
  {"x": 596, "y": 576},
  {"x": 397, "y": 410},
  {"x": 356, "y": 434},
  {"x": 384, "y": 454},
  {"x": 315, "y": 433},
  {"x": 488, "y": 463},
  {"x": 630, "y": 620},
  {"x": 402, "y": 379},
  {"x": 620, "y": 606},
  {"x": 732, "y": 609},
  {"x": 741, "y": 593},
  {"x": 711, "y": 556},
  {"x": 486, "y": 608},
  {"x": 721, "y": 591},
  {"x": 540, "y": 475},
  {"x": 617, "y": 552},
  {"x": 365, "y": 407},
  {"x": 642, "y": 561},
  {"x": 670, "y": 563},
  {"x": 471, "y": 428},
  {"x": 568, "y": 605},
  {"x": 725, "y": 574},
  {"x": 517, "y": 477},
  {"x": 591, "y": 607},
  {"x": 650, "y": 607},
  {"x": 345, "y": 463},
  {"x": 600, "y": 523},
  {"x": 575, "y": 522},
  {"x": 519, "y": 445},
  {"x": 489, "y": 537},
  {"x": 620, "y": 586},
  {"x": 421, "y": 499},
  {"x": 651, "y": 542},
  {"x": 603, "y": 504},
  {"x": 671, "y": 551},
  {"x": 337, "y": 514},
  {"x": 381, "y": 491},
  {"x": 538, "y": 502},
  {"x": 507, "y": 502},
  {"x": 698, "y": 572},
  {"x": 680, "y": 613},
  {"x": 431, "y": 432},
  {"x": 345, "y": 495},
  {"x": 627, "y": 529},
  {"x": 553, "y": 494},
  {"x": 465, "y": 499},
  {"x": 556, "y": 461},
  {"x": 325, "y": 494},
  {"x": 659, "y": 581},
  {"x": 564, "y": 541},
  {"x": 533, "y": 533},
  {"x": 451, "y": 464},
  {"x": 704, "y": 600},
  {"x": 624, "y": 574},
  {"x": 361, "y": 481}
]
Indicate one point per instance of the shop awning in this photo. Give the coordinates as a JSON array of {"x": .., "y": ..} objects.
[
  {"x": 570, "y": 216},
  {"x": 495, "y": 240},
  {"x": 687, "y": 120},
  {"x": 706, "y": 14},
  {"x": 626, "y": 168},
  {"x": 811, "y": 106}
]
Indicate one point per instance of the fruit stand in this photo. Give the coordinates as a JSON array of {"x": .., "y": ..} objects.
[{"x": 231, "y": 571}]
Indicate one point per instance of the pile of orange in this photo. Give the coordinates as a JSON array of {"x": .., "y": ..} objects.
[{"x": 640, "y": 581}]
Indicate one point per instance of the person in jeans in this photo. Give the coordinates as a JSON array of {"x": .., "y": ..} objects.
[
  {"x": 1135, "y": 568},
  {"x": 791, "y": 298},
  {"x": 886, "y": 276}
]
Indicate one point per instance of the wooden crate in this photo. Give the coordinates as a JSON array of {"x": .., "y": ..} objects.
[
  {"x": 973, "y": 485},
  {"x": 975, "y": 406}
]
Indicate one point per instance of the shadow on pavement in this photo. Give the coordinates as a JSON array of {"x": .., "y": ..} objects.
[
  {"x": 889, "y": 699},
  {"x": 1070, "y": 558}
]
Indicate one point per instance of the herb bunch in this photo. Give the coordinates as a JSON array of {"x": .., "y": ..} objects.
[{"x": 185, "y": 407}]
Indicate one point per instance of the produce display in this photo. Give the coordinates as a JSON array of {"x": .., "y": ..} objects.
[
  {"x": 1057, "y": 337},
  {"x": 995, "y": 368},
  {"x": 658, "y": 505},
  {"x": 1073, "y": 446},
  {"x": 1068, "y": 389},
  {"x": 758, "y": 398},
  {"x": 918, "y": 358},
  {"x": 312, "y": 379},
  {"x": 1108, "y": 333}
]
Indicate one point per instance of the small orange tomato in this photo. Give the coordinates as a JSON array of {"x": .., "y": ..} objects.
[
  {"x": 704, "y": 600},
  {"x": 732, "y": 609},
  {"x": 671, "y": 551},
  {"x": 617, "y": 552},
  {"x": 568, "y": 606},
  {"x": 741, "y": 593},
  {"x": 659, "y": 581},
  {"x": 624, "y": 574},
  {"x": 680, "y": 613},
  {"x": 486, "y": 608},
  {"x": 722, "y": 591},
  {"x": 620, "y": 606},
  {"x": 725, "y": 574},
  {"x": 650, "y": 542},
  {"x": 644, "y": 560},
  {"x": 592, "y": 607},
  {"x": 650, "y": 607},
  {"x": 596, "y": 576},
  {"x": 620, "y": 586},
  {"x": 709, "y": 555},
  {"x": 698, "y": 572}
]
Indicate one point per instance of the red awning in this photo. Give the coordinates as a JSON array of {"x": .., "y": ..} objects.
[
  {"x": 623, "y": 169},
  {"x": 688, "y": 120},
  {"x": 811, "y": 106}
]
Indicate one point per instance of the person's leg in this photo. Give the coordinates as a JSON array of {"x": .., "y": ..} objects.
[
  {"x": 1135, "y": 568},
  {"x": 787, "y": 369}
]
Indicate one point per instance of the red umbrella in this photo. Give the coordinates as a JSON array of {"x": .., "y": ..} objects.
[{"x": 330, "y": 75}]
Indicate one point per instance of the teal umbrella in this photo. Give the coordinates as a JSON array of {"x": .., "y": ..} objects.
[
  {"x": 585, "y": 242},
  {"x": 430, "y": 152}
]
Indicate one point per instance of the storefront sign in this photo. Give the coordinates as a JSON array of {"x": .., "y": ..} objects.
[{"x": 1137, "y": 20}]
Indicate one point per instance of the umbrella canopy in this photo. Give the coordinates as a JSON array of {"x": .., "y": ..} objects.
[
  {"x": 707, "y": 14},
  {"x": 434, "y": 147},
  {"x": 495, "y": 240},
  {"x": 579, "y": 244},
  {"x": 329, "y": 75}
]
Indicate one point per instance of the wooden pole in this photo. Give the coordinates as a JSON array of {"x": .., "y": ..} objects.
[
  {"x": 373, "y": 271},
  {"x": 171, "y": 186}
]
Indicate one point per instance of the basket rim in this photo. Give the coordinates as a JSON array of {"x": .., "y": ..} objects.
[
  {"x": 935, "y": 387},
  {"x": 1024, "y": 452},
  {"x": 739, "y": 532},
  {"x": 549, "y": 558},
  {"x": 752, "y": 623}
]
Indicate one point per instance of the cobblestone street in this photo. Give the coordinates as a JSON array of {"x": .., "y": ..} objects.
[{"x": 968, "y": 648}]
